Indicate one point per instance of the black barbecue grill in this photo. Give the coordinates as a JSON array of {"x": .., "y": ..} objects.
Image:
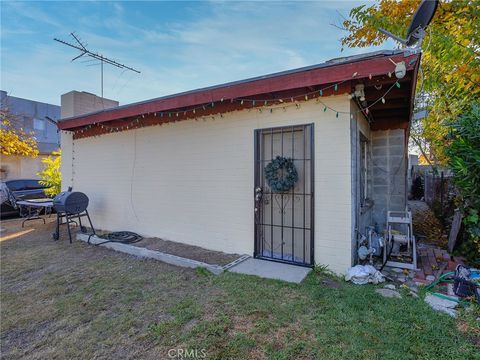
[
  {"x": 70, "y": 202},
  {"x": 71, "y": 206}
]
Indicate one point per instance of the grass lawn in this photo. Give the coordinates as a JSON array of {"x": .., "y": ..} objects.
[{"x": 79, "y": 301}]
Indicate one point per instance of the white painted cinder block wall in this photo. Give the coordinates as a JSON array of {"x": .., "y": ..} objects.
[
  {"x": 193, "y": 181},
  {"x": 20, "y": 167}
]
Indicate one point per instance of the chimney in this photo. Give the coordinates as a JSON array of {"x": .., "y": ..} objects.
[{"x": 76, "y": 103}]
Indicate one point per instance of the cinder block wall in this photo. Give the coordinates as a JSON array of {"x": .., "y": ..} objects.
[
  {"x": 80, "y": 102},
  {"x": 20, "y": 167},
  {"x": 389, "y": 173},
  {"x": 193, "y": 181}
]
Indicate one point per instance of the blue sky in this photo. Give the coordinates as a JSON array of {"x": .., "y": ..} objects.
[{"x": 177, "y": 46}]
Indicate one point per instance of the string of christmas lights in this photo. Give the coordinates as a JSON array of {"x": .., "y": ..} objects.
[{"x": 260, "y": 104}]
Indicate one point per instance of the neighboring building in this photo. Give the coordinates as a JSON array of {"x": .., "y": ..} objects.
[
  {"x": 32, "y": 117},
  {"x": 190, "y": 167},
  {"x": 76, "y": 103}
]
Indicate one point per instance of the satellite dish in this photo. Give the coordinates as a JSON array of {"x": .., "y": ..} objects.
[{"x": 416, "y": 31}]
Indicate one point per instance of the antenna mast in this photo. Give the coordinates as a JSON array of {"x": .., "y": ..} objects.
[{"x": 95, "y": 55}]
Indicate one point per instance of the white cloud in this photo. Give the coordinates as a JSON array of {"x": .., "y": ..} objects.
[
  {"x": 30, "y": 12},
  {"x": 213, "y": 44}
]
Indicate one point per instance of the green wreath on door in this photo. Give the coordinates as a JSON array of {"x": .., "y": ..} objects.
[{"x": 277, "y": 181}]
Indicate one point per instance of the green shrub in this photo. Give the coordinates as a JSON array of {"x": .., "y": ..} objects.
[
  {"x": 464, "y": 160},
  {"x": 51, "y": 176}
]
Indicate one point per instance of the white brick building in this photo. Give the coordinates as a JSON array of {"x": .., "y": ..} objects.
[{"x": 188, "y": 167}]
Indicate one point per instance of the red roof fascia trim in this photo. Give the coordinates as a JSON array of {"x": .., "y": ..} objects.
[{"x": 332, "y": 74}]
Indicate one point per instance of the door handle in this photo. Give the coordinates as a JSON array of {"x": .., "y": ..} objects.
[
  {"x": 258, "y": 194},
  {"x": 258, "y": 199}
]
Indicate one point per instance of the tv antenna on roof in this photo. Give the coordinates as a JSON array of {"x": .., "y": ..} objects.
[
  {"x": 416, "y": 31},
  {"x": 95, "y": 55}
]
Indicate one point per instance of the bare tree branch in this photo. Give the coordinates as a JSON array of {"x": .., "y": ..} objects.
[{"x": 420, "y": 146}]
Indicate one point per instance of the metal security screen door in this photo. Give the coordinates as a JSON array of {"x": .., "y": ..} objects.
[{"x": 284, "y": 220}]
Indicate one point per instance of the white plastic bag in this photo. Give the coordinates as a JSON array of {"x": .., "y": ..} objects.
[{"x": 364, "y": 274}]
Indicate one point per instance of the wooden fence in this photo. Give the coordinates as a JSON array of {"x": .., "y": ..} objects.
[{"x": 439, "y": 192}]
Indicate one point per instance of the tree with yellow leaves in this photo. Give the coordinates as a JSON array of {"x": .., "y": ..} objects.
[
  {"x": 13, "y": 139},
  {"x": 450, "y": 70}
]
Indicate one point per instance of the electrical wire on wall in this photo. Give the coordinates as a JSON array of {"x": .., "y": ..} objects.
[
  {"x": 73, "y": 161},
  {"x": 133, "y": 172}
]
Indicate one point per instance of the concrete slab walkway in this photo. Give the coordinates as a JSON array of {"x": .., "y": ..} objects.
[{"x": 271, "y": 270}]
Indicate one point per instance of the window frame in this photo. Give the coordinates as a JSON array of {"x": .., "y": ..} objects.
[{"x": 42, "y": 121}]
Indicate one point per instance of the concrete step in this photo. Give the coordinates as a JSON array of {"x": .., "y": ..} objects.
[{"x": 271, "y": 270}]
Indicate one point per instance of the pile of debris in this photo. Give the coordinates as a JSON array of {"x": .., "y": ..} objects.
[
  {"x": 447, "y": 280},
  {"x": 426, "y": 224}
]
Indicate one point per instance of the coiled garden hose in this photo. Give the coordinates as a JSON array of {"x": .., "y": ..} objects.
[{"x": 124, "y": 237}]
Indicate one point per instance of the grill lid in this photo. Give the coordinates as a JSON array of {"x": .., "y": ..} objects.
[{"x": 70, "y": 202}]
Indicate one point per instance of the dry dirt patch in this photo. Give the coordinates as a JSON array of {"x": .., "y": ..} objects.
[{"x": 187, "y": 251}]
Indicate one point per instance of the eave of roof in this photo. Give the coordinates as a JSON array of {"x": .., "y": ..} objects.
[{"x": 332, "y": 71}]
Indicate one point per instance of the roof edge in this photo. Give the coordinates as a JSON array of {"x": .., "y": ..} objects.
[{"x": 106, "y": 114}]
